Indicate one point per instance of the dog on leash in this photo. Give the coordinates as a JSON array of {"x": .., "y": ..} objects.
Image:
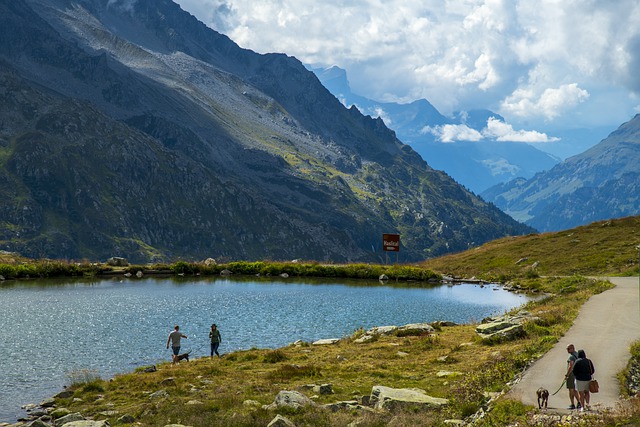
[
  {"x": 183, "y": 356},
  {"x": 543, "y": 397}
]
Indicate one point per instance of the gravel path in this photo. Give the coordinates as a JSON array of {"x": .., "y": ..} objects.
[{"x": 605, "y": 328}]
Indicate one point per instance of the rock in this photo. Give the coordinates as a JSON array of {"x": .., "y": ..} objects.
[
  {"x": 416, "y": 329},
  {"x": 326, "y": 341},
  {"x": 175, "y": 425},
  {"x": 160, "y": 394},
  {"x": 38, "y": 423},
  {"x": 2, "y": 279},
  {"x": 225, "y": 272},
  {"x": 127, "y": 275},
  {"x": 139, "y": 274},
  {"x": 209, "y": 262},
  {"x": 48, "y": 403},
  {"x": 284, "y": 275},
  {"x": 323, "y": 389},
  {"x": 504, "y": 327},
  {"x": 391, "y": 398},
  {"x": 117, "y": 262},
  {"x": 149, "y": 369},
  {"x": 194, "y": 402},
  {"x": 280, "y": 421},
  {"x": 60, "y": 412},
  {"x": 382, "y": 330},
  {"x": 252, "y": 403},
  {"x": 383, "y": 277},
  {"x": 67, "y": 419},
  {"x": 126, "y": 419},
  {"x": 363, "y": 339},
  {"x": 168, "y": 381},
  {"x": 290, "y": 399},
  {"x": 64, "y": 394},
  {"x": 442, "y": 323}
]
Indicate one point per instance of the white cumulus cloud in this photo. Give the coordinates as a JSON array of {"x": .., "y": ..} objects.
[{"x": 535, "y": 62}]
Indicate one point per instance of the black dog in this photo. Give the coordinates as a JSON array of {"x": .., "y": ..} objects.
[
  {"x": 183, "y": 356},
  {"x": 543, "y": 397}
]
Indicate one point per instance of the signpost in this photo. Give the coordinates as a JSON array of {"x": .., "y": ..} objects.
[{"x": 391, "y": 243}]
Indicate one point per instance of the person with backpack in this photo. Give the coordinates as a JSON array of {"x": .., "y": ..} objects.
[{"x": 583, "y": 370}]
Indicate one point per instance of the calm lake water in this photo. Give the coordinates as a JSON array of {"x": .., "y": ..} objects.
[{"x": 52, "y": 330}]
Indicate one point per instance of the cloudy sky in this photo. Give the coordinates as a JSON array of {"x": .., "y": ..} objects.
[{"x": 544, "y": 65}]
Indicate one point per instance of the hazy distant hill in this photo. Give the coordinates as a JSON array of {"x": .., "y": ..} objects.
[
  {"x": 132, "y": 129},
  {"x": 477, "y": 165},
  {"x": 601, "y": 183}
]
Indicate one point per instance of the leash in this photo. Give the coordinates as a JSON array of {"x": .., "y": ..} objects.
[{"x": 560, "y": 388}]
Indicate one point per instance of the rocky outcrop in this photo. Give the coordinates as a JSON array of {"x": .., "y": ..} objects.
[{"x": 505, "y": 327}]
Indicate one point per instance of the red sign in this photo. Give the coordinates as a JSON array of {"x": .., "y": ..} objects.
[{"x": 391, "y": 242}]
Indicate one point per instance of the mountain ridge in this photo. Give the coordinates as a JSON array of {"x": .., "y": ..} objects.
[
  {"x": 599, "y": 184},
  {"x": 180, "y": 144}
]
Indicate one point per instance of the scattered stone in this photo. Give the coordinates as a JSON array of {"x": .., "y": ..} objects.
[
  {"x": 209, "y": 262},
  {"x": 38, "y": 423},
  {"x": 280, "y": 421},
  {"x": 521, "y": 260},
  {"x": 402, "y": 354},
  {"x": 383, "y": 277},
  {"x": 284, "y": 275},
  {"x": 364, "y": 339},
  {"x": 139, "y": 274},
  {"x": 194, "y": 402},
  {"x": 441, "y": 374}
]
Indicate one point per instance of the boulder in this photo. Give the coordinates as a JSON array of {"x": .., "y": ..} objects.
[
  {"x": 395, "y": 398},
  {"x": 126, "y": 419}
]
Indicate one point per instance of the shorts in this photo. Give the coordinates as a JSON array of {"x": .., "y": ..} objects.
[
  {"x": 571, "y": 382},
  {"x": 176, "y": 350},
  {"x": 582, "y": 385}
]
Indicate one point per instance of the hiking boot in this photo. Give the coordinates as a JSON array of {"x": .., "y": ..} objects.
[
  {"x": 571, "y": 406},
  {"x": 578, "y": 406}
]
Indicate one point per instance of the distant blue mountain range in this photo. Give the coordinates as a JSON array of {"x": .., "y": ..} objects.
[{"x": 478, "y": 165}]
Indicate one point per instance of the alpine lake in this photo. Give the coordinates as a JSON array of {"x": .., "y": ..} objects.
[{"x": 54, "y": 331}]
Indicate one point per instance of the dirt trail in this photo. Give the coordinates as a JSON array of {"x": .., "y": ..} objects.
[{"x": 605, "y": 328}]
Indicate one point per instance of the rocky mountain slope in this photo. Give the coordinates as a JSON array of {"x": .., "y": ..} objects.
[
  {"x": 601, "y": 183},
  {"x": 478, "y": 165},
  {"x": 129, "y": 128}
]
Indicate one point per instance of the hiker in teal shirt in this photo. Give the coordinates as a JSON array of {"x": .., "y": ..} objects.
[{"x": 214, "y": 335}]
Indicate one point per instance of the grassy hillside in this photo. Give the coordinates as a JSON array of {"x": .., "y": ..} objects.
[{"x": 601, "y": 248}]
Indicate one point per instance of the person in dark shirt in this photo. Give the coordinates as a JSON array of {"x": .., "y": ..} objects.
[{"x": 583, "y": 370}]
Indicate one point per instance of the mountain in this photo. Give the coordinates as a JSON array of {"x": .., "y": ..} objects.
[
  {"x": 477, "y": 165},
  {"x": 129, "y": 128},
  {"x": 601, "y": 183}
]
